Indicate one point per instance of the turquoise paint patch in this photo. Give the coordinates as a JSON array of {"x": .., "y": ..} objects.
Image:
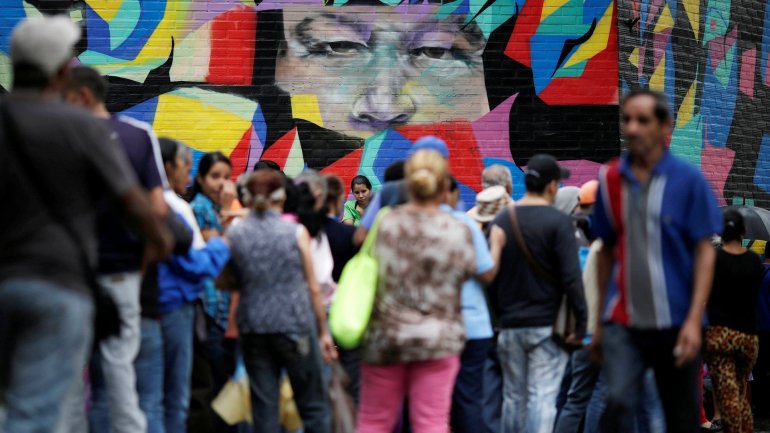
[
  {"x": 123, "y": 23},
  {"x": 575, "y": 70},
  {"x": 718, "y": 13},
  {"x": 371, "y": 149},
  {"x": 687, "y": 141},
  {"x": 725, "y": 67},
  {"x": 448, "y": 9},
  {"x": 495, "y": 15}
]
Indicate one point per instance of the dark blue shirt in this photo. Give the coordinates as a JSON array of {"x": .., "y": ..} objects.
[{"x": 120, "y": 250}]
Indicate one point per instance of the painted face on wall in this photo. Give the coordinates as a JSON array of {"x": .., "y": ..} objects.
[{"x": 373, "y": 68}]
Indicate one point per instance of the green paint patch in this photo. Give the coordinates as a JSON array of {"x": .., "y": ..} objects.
[
  {"x": 687, "y": 141},
  {"x": 371, "y": 149}
]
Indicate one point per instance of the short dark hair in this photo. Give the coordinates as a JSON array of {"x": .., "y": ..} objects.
[
  {"x": 334, "y": 190},
  {"x": 91, "y": 79},
  {"x": 661, "y": 110},
  {"x": 734, "y": 227},
  {"x": 29, "y": 76},
  {"x": 535, "y": 185},
  {"x": 394, "y": 172},
  {"x": 360, "y": 180},
  {"x": 267, "y": 164},
  {"x": 453, "y": 184}
]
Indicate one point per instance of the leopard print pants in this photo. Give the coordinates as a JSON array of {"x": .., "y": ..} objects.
[{"x": 731, "y": 355}]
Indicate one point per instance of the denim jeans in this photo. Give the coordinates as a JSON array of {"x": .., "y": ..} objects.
[
  {"x": 492, "y": 409},
  {"x": 583, "y": 375},
  {"x": 649, "y": 414},
  {"x": 299, "y": 354},
  {"x": 177, "y": 332},
  {"x": 533, "y": 368},
  {"x": 628, "y": 355},
  {"x": 149, "y": 375},
  {"x": 116, "y": 406},
  {"x": 45, "y": 333},
  {"x": 468, "y": 395}
]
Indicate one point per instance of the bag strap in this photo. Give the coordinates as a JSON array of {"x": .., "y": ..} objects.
[
  {"x": 368, "y": 246},
  {"x": 533, "y": 263},
  {"x": 25, "y": 167}
]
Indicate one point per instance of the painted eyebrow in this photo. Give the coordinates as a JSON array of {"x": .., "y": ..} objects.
[
  {"x": 303, "y": 29},
  {"x": 471, "y": 32}
]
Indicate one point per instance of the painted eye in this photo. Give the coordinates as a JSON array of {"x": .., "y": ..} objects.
[
  {"x": 344, "y": 48},
  {"x": 438, "y": 53}
]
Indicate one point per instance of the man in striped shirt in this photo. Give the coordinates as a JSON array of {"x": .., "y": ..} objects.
[{"x": 656, "y": 215}]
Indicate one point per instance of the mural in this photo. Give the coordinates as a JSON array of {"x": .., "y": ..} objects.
[
  {"x": 710, "y": 57},
  {"x": 345, "y": 86}
]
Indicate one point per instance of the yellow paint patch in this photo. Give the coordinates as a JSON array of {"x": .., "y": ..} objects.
[
  {"x": 686, "y": 110},
  {"x": 202, "y": 126},
  {"x": 305, "y": 107},
  {"x": 758, "y": 246},
  {"x": 665, "y": 20},
  {"x": 106, "y": 9},
  {"x": 597, "y": 42},
  {"x": 633, "y": 58},
  {"x": 692, "y": 7},
  {"x": 551, "y": 6},
  {"x": 658, "y": 78}
]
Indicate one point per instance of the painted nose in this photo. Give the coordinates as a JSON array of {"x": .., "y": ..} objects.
[{"x": 384, "y": 103}]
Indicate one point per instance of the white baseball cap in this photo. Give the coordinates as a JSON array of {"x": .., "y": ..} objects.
[{"x": 46, "y": 42}]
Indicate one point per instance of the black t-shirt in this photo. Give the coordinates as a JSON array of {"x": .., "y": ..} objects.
[
  {"x": 733, "y": 301},
  {"x": 80, "y": 163},
  {"x": 341, "y": 243},
  {"x": 524, "y": 298}
]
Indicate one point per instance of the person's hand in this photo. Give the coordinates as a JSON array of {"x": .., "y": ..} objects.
[
  {"x": 595, "y": 347},
  {"x": 328, "y": 349},
  {"x": 228, "y": 194},
  {"x": 573, "y": 341},
  {"x": 688, "y": 343}
]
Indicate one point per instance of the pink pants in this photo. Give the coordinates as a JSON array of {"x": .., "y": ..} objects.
[{"x": 428, "y": 384}]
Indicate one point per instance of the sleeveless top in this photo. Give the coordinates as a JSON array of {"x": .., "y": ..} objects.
[{"x": 267, "y": 264}]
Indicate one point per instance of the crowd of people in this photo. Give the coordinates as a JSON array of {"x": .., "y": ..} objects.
[{"x": 131, "y": 292}]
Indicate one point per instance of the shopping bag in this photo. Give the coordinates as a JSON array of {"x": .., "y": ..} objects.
[
  {"x": 233, "y": 404},
  {"x": 289, "y": 414},
  {"x": 353, "y": 301},
  {"x": 342, "y": 405}
]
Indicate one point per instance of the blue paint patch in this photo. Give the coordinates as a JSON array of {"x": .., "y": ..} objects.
[
  {"x": 144, "y": 111},
  {"x": 259, "y": 124},
  {"x": 196, "y": 159},
  {"x": 13, "y": 12},
  {"x": 718, "y": 103},
  {"x": 151, "y": 14},
  {"x": 394, "y": 148},
  {"x": 762, "y": 171},
  {"x": 765, "y": 65}
]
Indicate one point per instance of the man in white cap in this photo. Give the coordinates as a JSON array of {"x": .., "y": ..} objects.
[{"x": 58, "y": 164}]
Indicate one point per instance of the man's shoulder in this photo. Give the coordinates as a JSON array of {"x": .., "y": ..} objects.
[{"x": 127, "y": 127}]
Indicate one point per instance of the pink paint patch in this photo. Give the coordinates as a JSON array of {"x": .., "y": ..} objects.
[
  {"x": 719, "y": 46},
  {"x": 255, "y": 149},
  {"x": 767, "y": 72},
  {"x": 713, "y": 24},
  {"x": 716, "y": 163},
  {"x": 581, "y": 171},
  {"x": 748, "y": 69},
  {"x": 492, "y": 129}
]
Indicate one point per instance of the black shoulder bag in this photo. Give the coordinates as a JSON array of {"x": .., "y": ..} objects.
[{"x": 106, "y": 313}]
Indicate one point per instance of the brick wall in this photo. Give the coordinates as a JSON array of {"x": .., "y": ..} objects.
[{"x": 346, "y": 87}]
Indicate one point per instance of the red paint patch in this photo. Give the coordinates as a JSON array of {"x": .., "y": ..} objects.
[
  {"x": 346, "y": 167},
  {"x": 279, "y": 151},
  {"x": 526, "y": 25},
  {"x": 465, "y": 161},
  {"x": 239, "y": 157},
  {"x": 232, "y": 47}
]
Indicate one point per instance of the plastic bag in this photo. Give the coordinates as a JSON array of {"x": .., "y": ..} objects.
[{"x": 233, "y": 404}]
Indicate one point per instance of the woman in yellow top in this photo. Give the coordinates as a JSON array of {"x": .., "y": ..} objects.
[{"x": 354, "y": 209}]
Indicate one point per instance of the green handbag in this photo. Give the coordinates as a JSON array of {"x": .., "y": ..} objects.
[{"x": 354, "y": 298}]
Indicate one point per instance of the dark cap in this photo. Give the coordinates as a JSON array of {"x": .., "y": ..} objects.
[{"x": 545, "y": 167}]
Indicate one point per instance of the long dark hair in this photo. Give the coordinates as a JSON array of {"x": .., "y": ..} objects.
[
  {"x": 313, "y": 219},
  {"x": 360, "y": 180},
  {"x": 204, "y": 166}
]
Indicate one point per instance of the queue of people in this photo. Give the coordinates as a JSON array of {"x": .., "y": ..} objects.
[{"x": 569, "y": 309}]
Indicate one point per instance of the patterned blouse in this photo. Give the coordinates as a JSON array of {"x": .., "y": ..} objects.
[
  {"x": 424, "y": 259},
  {"x": 267, "y": 263},
  {"x": 215, "y": 301}
]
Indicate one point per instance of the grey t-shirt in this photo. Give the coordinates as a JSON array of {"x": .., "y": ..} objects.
[{"x": 81, "y": 163}]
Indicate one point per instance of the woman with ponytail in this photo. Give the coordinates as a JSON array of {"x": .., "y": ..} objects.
[
  {"x": 281, "y": 318},
  {"x": 731, "y": 339},
  {"x": 415, "y": 335}
]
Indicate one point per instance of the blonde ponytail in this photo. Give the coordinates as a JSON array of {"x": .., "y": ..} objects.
[{"x": 426, "y": 174}]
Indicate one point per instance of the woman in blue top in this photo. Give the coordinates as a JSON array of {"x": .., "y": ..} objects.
[
  {"x": 209, "y": 196},
  {"x": 354, "y": 209}
]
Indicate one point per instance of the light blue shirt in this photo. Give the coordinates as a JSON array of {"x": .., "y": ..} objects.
[{"x": 478, "y": 323}]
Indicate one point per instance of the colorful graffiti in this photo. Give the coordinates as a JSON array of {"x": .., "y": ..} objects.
[
  {"x": 710, "y": 57},
  {"x": 345, "y": 86}
]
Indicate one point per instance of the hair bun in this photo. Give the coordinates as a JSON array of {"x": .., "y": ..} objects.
[{"x": 423, "y": 183}]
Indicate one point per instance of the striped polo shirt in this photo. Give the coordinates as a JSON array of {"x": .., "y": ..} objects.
[{"x": 653, "y": 229}]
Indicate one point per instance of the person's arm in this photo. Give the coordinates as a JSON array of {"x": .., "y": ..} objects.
[
  {"x": 327, "y": 345},
  {"x": 604, "y": 264},
  {"x": 137, "y": 209},
  {"x": 689, "y": 342},
  {"x": 496, "y": 244},
  {"x": 571, "y": 277}
]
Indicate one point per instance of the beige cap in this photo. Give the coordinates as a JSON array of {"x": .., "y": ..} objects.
[
  {"x": 489, "y": 203},
  {"x": 46, "y": 42}
]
